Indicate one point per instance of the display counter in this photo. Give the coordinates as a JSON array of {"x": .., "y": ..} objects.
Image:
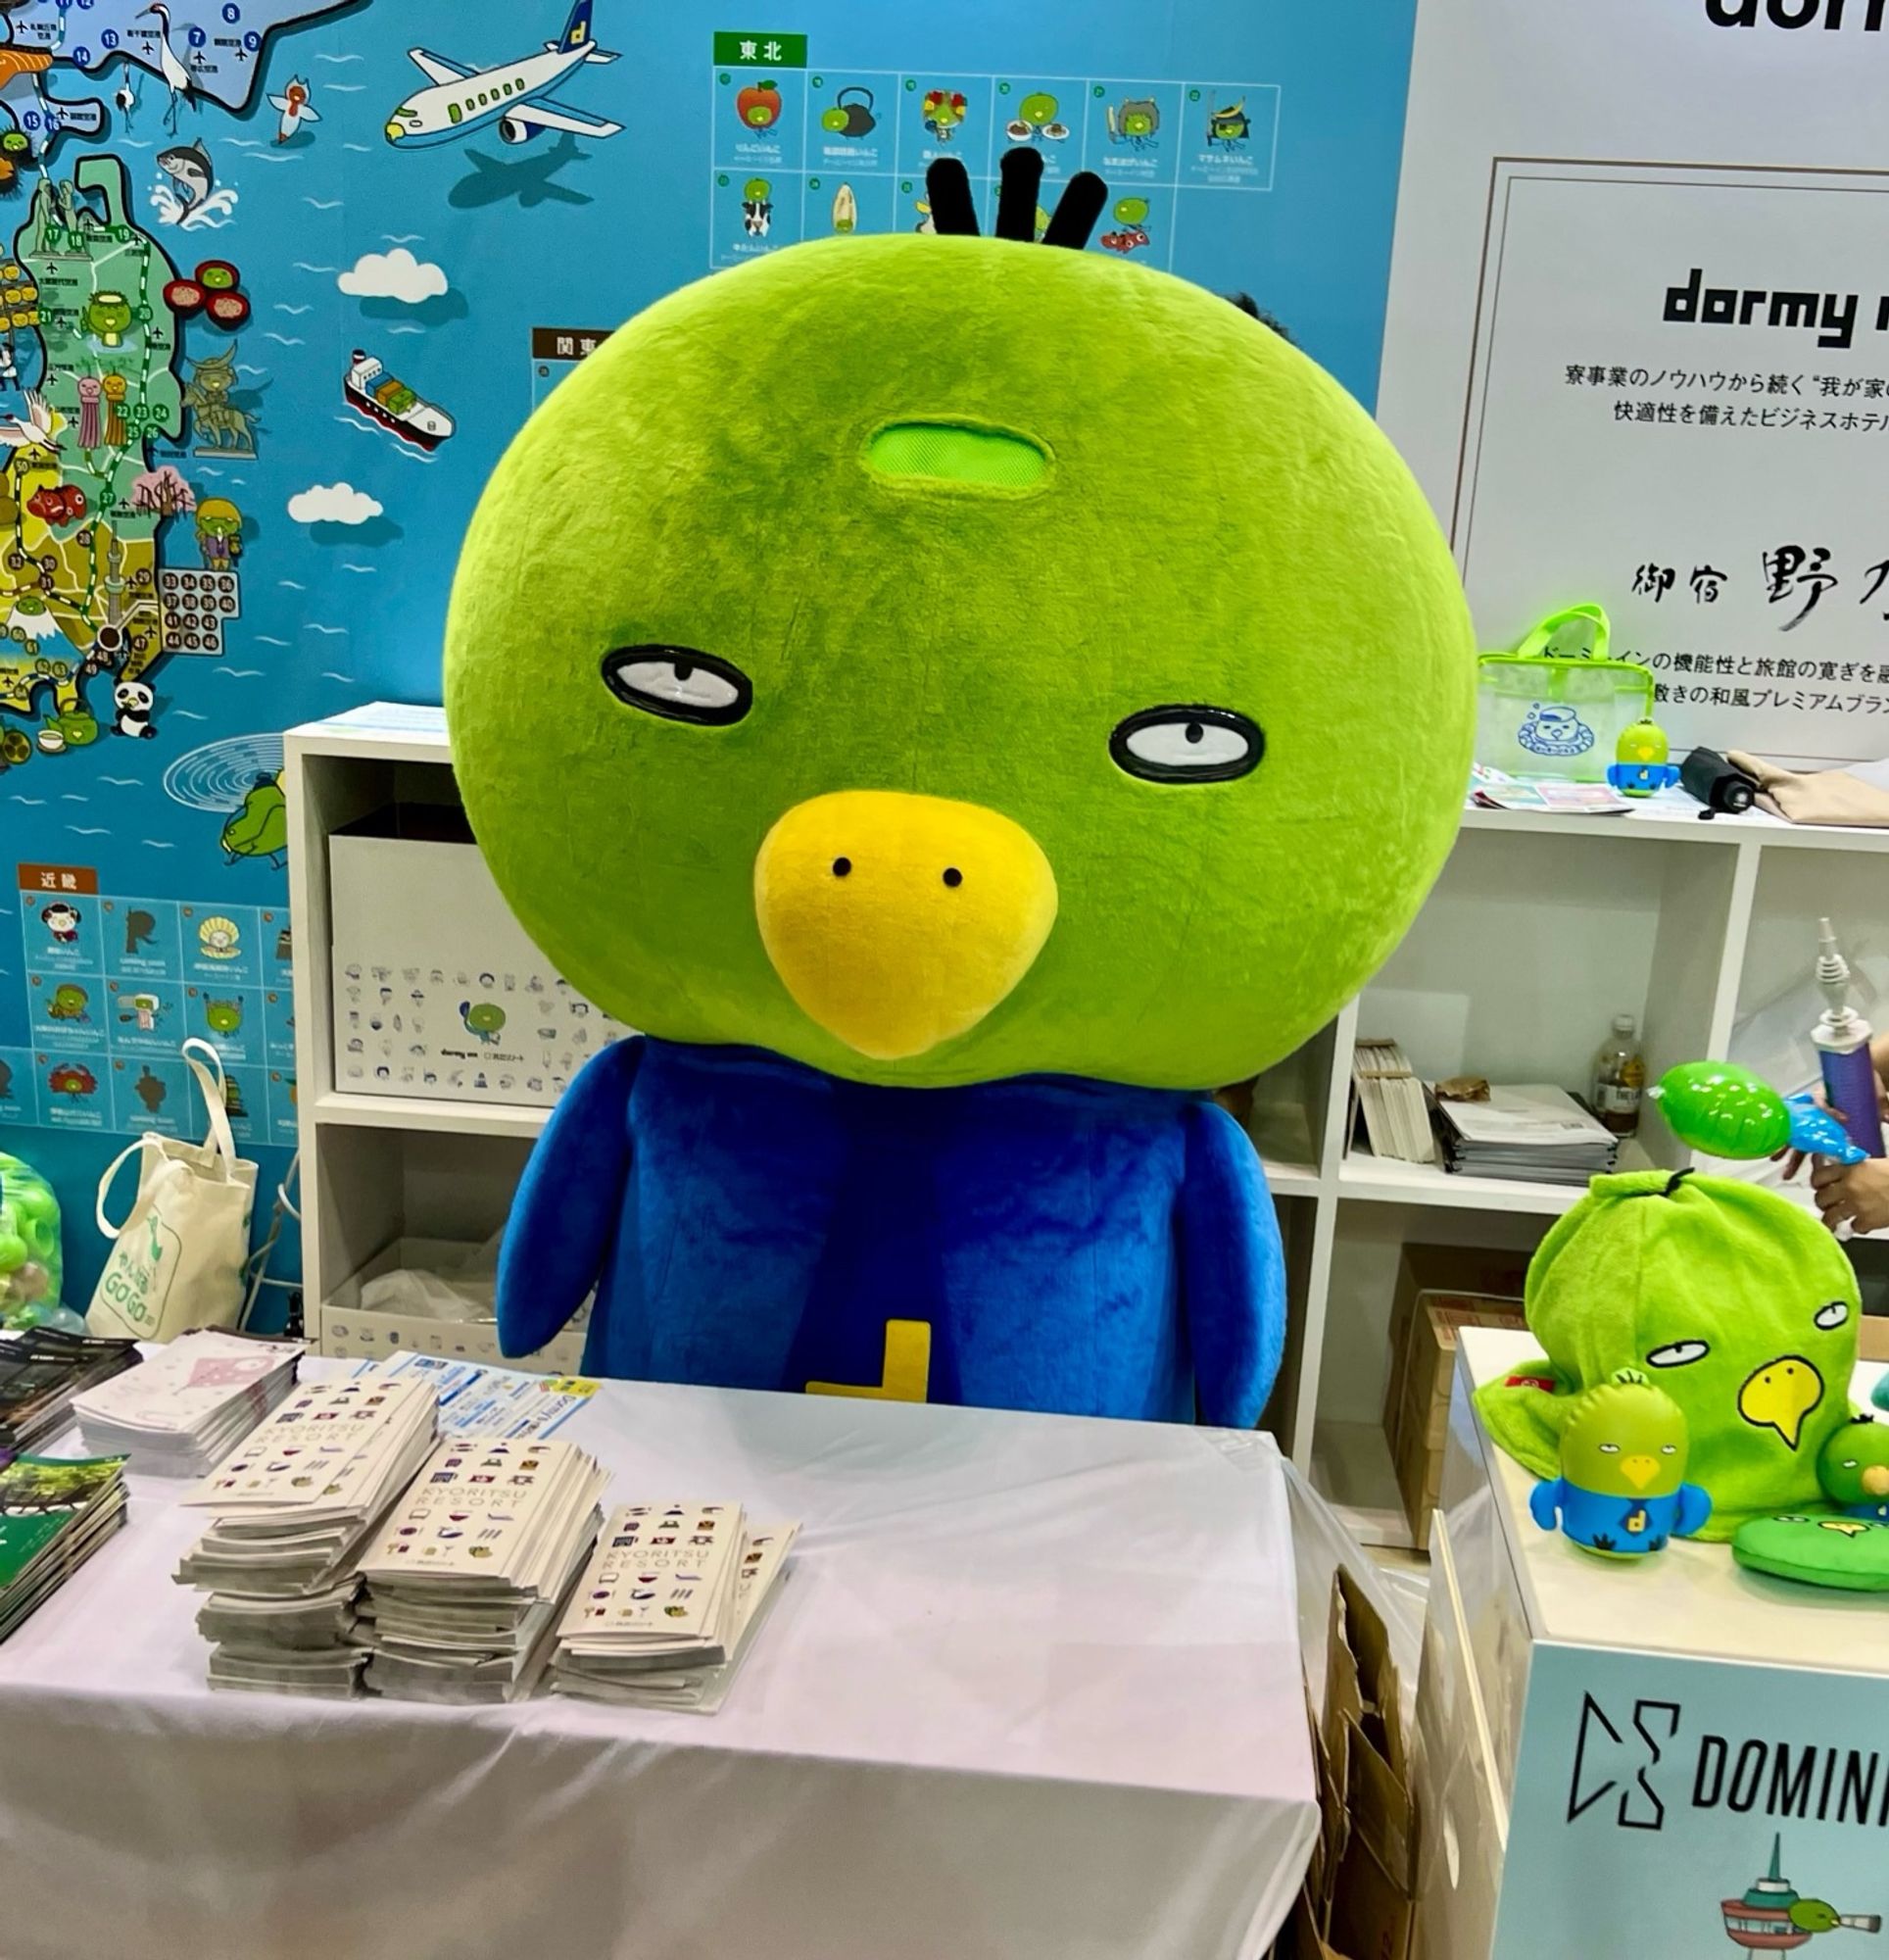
[
  {"x": 1660, "y": 1758},
  {"x": 1033, "y": 1687}
]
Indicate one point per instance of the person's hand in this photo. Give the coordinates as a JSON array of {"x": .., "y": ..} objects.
[
  {"x": 1794, "y": 1159},
  {"x": 1855, "y": 1195}
]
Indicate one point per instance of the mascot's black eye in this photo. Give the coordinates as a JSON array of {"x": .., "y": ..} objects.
[
  {"x": 1187, "y": 745},
  {"x": 679, "y": 683}
]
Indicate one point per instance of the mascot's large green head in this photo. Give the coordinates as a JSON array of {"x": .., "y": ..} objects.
[{"x": 941, "y": 658}]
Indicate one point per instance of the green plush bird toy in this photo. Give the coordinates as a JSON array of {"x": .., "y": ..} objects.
[
  {"x": 1853, "y": 1469},
  {"x": 963, "y": 699},
  {"x": 1623, "y": 1491},
  {"x": 1731, "y": 1300}
]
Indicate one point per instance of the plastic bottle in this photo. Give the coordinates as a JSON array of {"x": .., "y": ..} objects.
[
  {"x": 1619, "y": 1079},
  {"x": 1842, "y": 1038}
]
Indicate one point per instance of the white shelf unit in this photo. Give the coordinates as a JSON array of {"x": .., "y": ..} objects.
[{"x": 1539, "y": 931}]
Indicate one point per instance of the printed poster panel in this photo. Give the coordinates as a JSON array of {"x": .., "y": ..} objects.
[
  {"x": 1680, "y": 406},
  {"x": 1694, "y": 1809}
]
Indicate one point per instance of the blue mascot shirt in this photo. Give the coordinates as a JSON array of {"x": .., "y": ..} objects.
[
  {"x": 1622, "y": 1525},
  {"x": 1042, "y": 1242}
]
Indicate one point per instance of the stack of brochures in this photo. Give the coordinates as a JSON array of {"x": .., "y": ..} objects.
[
  {"x": 293, "y": 1506},
  {"x": 190, "y": 1404},
  {"x": 54, "y": 1514},
  {"x": 1392, "y": 1103},
  {"x": 41, "y": 1370},
  {"x": 1533, "y": 1133},
  {"x": 466, "y": 1580},
  {"x": 669, "y": 1606}
]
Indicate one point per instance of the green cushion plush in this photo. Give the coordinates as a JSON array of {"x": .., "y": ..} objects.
[
  {"x": 1848, "y": 1554},
  {"x": 1735, "y": 1302},
  {"x": 955, "y": 510}
]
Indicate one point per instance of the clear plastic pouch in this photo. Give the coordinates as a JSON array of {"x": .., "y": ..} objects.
[{"x": 1557, "y": 705}]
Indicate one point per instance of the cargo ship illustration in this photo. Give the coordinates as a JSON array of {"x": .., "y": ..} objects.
[
  {"x": 376, "y": 394},
  {"x": 1774, "y": 1917}
]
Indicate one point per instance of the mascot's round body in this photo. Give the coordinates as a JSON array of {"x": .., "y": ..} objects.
[{"x": 964, "y": 699}]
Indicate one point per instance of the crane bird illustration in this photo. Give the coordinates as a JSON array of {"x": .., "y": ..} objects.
[
  {"x": 36, "y": 431},
  {"x": 177, "y": 77}
]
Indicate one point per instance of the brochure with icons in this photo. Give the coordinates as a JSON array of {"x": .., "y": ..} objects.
[
  {"x": 466, "y": 1580},
  {"x": 484, "y": 1515},
  {"x": 660, "y": 1583},
  {"x": 294, "y": 1502},
  {"x": 325, "y": 1455},
  {"x": 599, "y": 1659}
]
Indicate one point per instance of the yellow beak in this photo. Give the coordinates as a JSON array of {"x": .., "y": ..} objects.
[
  {"x": 898, "y": 921},
  {"x": 1639, "y": 1471},
  {"x": 1875, "y": 1481},
  {"x": 1780, "y": 1394}
]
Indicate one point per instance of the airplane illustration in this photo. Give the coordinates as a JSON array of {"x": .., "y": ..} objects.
[{"x": 513, "y": 93}]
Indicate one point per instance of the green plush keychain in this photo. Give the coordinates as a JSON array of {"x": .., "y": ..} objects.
[
  {"x": 1848, "y": 1548},
  {"x": 1737, "y": 1304}
]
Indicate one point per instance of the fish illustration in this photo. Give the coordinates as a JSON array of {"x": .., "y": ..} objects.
[
  {"x": 188, "y": 167},
  {"x": 296, "y": 108}
]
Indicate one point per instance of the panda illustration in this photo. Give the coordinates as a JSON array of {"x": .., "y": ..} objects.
[
  {"x": 134, "y": 701},
  {"x": 63, "y": 921}
]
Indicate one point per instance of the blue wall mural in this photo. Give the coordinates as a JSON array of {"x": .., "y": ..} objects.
[{"x": 278, "y": 280}]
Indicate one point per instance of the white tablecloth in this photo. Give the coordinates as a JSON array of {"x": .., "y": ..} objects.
[{"x": 1032, "y": 1691}]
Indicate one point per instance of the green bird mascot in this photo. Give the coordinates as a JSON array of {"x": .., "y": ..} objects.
[{"x": 963, "y": 698}]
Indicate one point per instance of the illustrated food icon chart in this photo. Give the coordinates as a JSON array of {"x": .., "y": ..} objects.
[
  {"x": 803, "y": 151},
  {"x": 115, "y": 986}
]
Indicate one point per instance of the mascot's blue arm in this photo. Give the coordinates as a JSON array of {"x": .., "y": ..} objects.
[
  {"x": 1695, "y": 1510},
  {"x": 568, "y": 1202},
  {"x": 1233, "y": 1270},
  {"x": 1545, "y": 1502}
]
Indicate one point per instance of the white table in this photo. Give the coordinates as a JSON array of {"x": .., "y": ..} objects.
[{"x": 1032, "y": 1690}]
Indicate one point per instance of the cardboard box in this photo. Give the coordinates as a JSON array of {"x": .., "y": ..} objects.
[
  {"x": 1423, "y": 1414},
  {"x": 437, "y": 990},
  {"x": 1872, "y": 1337},
  {"x": 1359, "y": 1897},
  {"x": 1462, "y": 1269},
  {"x": 1416, "y": 1393}
]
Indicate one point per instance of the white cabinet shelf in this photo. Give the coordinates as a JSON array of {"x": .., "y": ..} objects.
[
  {"x": 343, "y": 1111},
  {"x": 1538, "y": 932},
  {"x": 1384, "y": 1181}
]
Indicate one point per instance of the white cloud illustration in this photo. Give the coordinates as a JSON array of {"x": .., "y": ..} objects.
[
  {"x": 332, "y": 504},
  {"x": 394, "y": 275}
]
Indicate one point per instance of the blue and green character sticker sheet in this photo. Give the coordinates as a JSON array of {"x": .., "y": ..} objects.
[{"x": 280, "y": 279}]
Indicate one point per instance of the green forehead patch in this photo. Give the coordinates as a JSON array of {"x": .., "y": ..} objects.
[{"x": 956, "y": 453}]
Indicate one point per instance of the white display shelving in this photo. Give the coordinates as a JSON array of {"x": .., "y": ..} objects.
[{"x": 1538, "y": 932}]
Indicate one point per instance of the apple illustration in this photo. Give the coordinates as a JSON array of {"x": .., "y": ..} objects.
[{"x": 759, "y": 104}]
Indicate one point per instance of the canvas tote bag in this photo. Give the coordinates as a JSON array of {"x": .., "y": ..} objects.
[{"x": 179, "y": 1256}]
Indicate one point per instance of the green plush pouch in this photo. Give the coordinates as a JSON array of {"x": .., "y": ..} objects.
[
  {"x": 1735, "y": 1303},
  {"x": 1557, "y": 705},
  {"x": 1847, "y": 1554}
]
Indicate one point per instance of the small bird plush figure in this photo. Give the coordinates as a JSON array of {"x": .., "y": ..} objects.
[
  {"x": 1853, "y": 1469},
  {"x": 1621, "y": 1491}
]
